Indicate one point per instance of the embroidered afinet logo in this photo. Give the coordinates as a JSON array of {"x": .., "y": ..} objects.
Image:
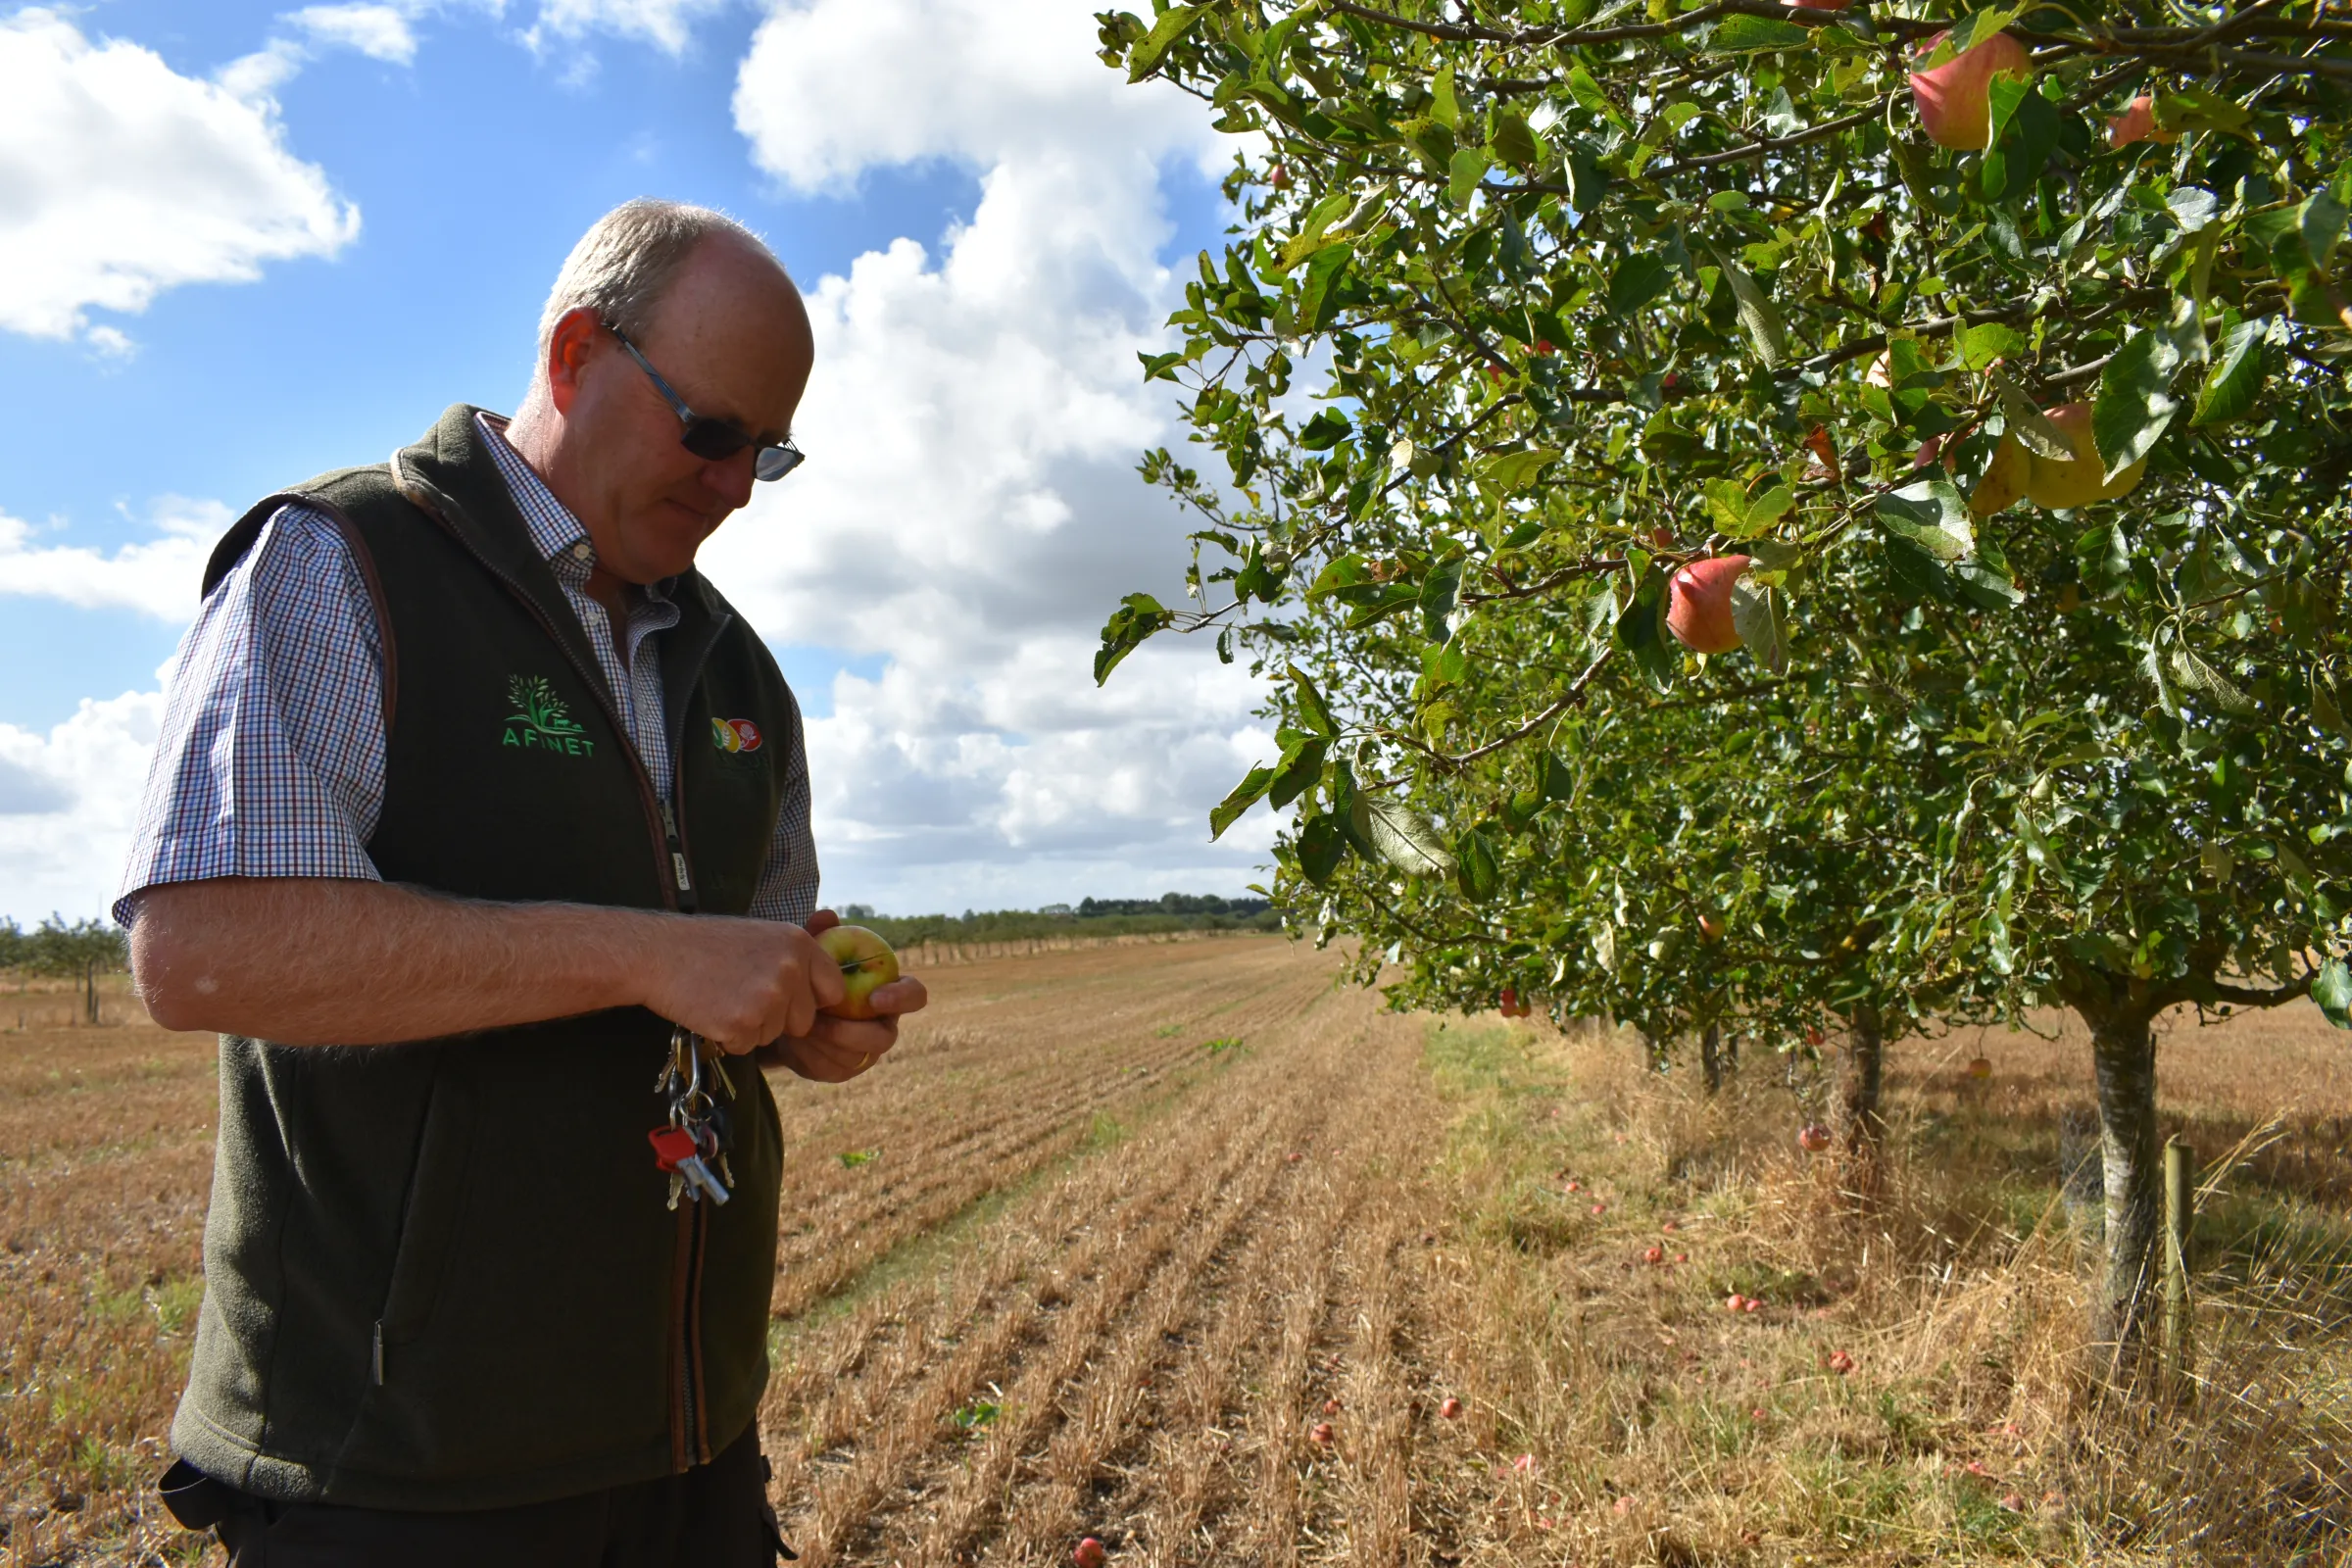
[
  {"x": 542, "y": 721},
  {"x": 734, "y": 734}
]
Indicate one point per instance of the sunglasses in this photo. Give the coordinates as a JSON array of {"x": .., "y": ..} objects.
[{"x": 714, "y": 440}]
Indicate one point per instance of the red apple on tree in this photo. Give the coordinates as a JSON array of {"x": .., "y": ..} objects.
[
  {"x": 2137, "y": 122},
  {"x": 1980, "y": 1068},
  {"x": 866, "y": 962},
  {"x": 1955, "y": 102},
  {"x": 1698, "y": 603}
]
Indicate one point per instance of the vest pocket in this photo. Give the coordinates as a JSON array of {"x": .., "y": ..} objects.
[{"x": 429, "y": 1223}]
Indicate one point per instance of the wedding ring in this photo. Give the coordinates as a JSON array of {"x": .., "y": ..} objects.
[{"x": 865, "y": 1061}]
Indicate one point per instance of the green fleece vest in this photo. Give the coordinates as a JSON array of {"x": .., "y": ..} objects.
[{"x": 444, "y": 1275}]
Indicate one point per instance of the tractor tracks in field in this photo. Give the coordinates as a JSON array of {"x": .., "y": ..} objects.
[{"x": 1145, "y": 1348}]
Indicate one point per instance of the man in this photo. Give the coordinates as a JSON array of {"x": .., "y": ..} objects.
[{"x": 471, "y": 792}]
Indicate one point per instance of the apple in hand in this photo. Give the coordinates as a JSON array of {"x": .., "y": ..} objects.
[
  {"x": 866, "y": 962},
  {"x": 1955, "y": 98},
  {"x": 1698, "y": 603},
  {"x": 2081, "y": 479}
]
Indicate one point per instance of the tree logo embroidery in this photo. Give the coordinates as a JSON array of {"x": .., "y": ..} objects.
[{"x": 542, "y": 721}]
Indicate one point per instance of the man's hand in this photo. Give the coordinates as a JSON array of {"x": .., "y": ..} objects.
[
  {"x": 739, "y": 983},
  {"x": 832, "y": 1051}
]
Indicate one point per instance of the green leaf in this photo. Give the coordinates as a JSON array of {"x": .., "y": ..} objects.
[
  {"x": 2024, "y": 132},
  {"x": 2037, "y": 846},
  {"x": 2032, "y": 427},
  {"x": 1642, "y": 630},
  {"x": 1980, "y": 346},
  {"x": 1635, "y": 282},
  {"x": 1554, "y": 777},
  {"x": 1513, "y": 472},
  {"x": 1762, "y": 513},
  {"x": 1300, "y": 766},
  {"x": 2192, "y": 206},
  {"x": 1327, "y": 429},
  {"x": 1172, "y": 25},
  {"x": 1739, "y": 34},
  {"x": 1246, "y": 794},
  {"x": 1322, "y": 846},
  {"x": 1511, "y": 142},
  {"x": 1318, "y": 290},
  {"x": 1309, "y": 238},
  {"x": 1137, "y": 617},
  {"x": 1917, "y": 573},
  {"x": 1475, "y": 870},
  {"x": 1756, "y": 617},
  {"x": 2196, "y": 675},
  {"x": 1390, "y": 599},
  {"x": 1970, "y": 31},
  {"x": 1930, "y": 516},
  {"x": 2332, "y": 989},
  {"x": 2233, "y": 380},
  {"x": 2136, "y": 403},
  {"x": 1160, "y": 367},
  {"x": 1438, "y": 592},
  {"x": 2326, "y": 709},
  {"x": 1403, "y": 837},
  {"x": 1587, "y": 92},
  {"x": 1313, "y": 711},
  {"x": 1463, "y": 175},
  {"x": 1756, "y": 313},
  {"x": 2321, "y": 221},
  {"x": 1444, "y": 108}
]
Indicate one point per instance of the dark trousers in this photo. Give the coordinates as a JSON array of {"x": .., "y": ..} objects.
[{"x": 713, "y": 1516}]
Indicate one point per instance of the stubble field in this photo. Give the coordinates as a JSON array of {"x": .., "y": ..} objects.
[{"x": 1184, "y": 1247}]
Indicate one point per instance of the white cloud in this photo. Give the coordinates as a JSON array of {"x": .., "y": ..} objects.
[
  {"x": 158, "y": 577},
  {"x": 666, "y": 23},
  {"x": 68, "y": 801},
  {"x": 378, "y": 32},
  {"x": 970, "y": 507},
  {"x": 124, "y": 178}
]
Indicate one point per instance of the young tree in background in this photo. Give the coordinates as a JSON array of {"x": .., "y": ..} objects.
[{"x": 1914, "y": 444}]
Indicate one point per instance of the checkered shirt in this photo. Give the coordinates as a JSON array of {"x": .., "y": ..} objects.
[{"x": 270, "y": 761}]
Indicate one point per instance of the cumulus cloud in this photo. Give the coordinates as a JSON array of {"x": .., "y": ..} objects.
[
  {"x": 157, "y": 576},
  {"x": 124, "y": 178},
  {"x": 969, "y": 509},
  {"x": 68, "y": 801},
  {"x": 378, "y": 32}
]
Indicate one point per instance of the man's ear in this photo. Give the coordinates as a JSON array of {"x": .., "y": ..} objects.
[{"x": 574, "y": 342}]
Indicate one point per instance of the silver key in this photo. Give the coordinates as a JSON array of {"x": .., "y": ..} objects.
[{"x": 700, "y": 1175}]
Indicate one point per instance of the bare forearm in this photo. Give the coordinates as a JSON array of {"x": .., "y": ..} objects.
[{"x": 315, "y": 961}]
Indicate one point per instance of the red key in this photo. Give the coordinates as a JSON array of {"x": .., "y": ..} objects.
[{"x": 671, "y": 1145}]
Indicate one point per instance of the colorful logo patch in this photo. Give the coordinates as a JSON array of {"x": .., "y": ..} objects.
[
  {"x": 542, "y": 721},
  {"x": 734, "y": 734}
]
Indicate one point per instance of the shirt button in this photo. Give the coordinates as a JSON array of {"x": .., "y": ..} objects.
[{"x": 584, "y": 551}]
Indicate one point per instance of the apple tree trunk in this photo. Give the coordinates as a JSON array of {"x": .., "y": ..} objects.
[
  {"x": 1861, "y": 1129},
  {"x": 1710, "y": 1055},
  {"x": 2123, "y": 1056}
]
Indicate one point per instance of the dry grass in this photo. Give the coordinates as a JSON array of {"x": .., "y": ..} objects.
[{"x": 1180, "y": 1246}]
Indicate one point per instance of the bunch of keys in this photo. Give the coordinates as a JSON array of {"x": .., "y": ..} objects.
[{"x": 695, "y": 1138}]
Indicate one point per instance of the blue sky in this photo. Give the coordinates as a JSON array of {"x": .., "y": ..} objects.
[{"x": 976, "y": 404}]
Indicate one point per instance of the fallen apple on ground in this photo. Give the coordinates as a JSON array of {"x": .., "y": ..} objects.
[
  {"x": 1450, "y": 1409},
  {"x": 1698, "y": 603},
  {"x": 1813, "y": 1138},
  {"x": 1955, "y": 99},
  {"x": 1089, "y": 1553},
  {"x": 866, "y": 962}
]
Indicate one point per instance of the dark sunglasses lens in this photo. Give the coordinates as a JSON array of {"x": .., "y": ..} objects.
[
  {"x": 774, "y": 462},
  {"x": 714, "y": 440}
]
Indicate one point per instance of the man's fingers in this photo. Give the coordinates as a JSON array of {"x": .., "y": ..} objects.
[
  {"x": 906, "y": 994},
  {"x": 822, "y": 921},
  {"x": 857, "y": 1036}
]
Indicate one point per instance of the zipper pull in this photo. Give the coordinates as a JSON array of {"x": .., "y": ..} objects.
[{"x": 677, "y": 853}]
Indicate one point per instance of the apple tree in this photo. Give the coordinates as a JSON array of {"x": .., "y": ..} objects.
[{"x": 1870, "y": 476}]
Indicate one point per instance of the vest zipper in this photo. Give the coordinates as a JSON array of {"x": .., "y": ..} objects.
[{"x": 678, "y": 893}]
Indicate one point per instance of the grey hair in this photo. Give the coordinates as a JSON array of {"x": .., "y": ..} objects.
[{"x": 626, "y": 262}]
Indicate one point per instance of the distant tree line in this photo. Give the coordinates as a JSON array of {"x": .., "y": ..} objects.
[
  {"x": 80, "y": 952},
  {"x": 1088, "y": 917}
]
